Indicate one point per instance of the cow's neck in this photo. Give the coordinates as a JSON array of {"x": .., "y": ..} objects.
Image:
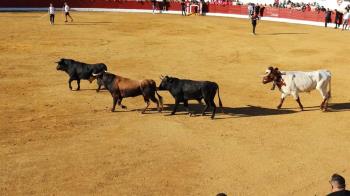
[{"x": 279, "y": 82}]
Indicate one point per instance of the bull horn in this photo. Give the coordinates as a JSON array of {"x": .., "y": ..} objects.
[
  {"x": 96, "y": 74},
  {"x": 57, "y": 62}
]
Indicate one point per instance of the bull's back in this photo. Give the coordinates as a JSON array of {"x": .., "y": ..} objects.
[
  {"x": 128, "y": 87},
  {"x": 198, "y": 89}
]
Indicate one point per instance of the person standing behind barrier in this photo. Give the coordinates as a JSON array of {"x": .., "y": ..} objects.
[
  {"x": 164, "y": 5},
  {"x": 346, "y": 20},
  {"x": 337, "y": 19},
  {"x": 262, "y": 9},
  {"x": 338, "y": 186},
  {"x": 160, "y": 5},
  {"x": 254, "y": 19},
  {"x": 257, "y": 9},
  {"x": 250, "y": 10},
  {"x": 327, "y": 17},
  {"x": 154, "y": 6},
  {"x": 52, "y": 14},
  {"x": 66, "y": 12},
  {"x": 183, "y": 7}
]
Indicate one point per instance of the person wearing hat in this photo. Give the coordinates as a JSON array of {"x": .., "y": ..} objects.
[{"x": 338, "y": 186}]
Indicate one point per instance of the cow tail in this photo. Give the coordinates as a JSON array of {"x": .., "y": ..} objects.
[{"x": 220, "y": 103}]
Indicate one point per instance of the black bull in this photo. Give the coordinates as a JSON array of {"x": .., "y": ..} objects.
[
  {"x": 184, "y": 90},
  {"x": 80, "y": 71}
]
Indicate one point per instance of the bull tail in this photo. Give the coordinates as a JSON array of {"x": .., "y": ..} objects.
[
  {"x": 329, "y": 89},
  {"x": 220, "y": 103}
]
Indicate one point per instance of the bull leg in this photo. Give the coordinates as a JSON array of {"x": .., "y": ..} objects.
[
  {"x": 78, "y": 82},
  {"x": 207, "y": 104},
  {"x": 120, "y": 103},
  {"x": 300, "y": 105},
  {"x": 99, "y": 84},
  {"x": 214, "y": 110},
  {"x": 187, "y": 108},
  {"x": 175, "y": 106},
  {"x": 70, "y": 83},
  {"x": 115, "y": 99},
  {"x": 147, "y": 104},
  {"x": 155, "y": 100}
]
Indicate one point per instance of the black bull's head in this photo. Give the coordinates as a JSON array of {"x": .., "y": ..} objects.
[
  {"x": 166, "y": 82},
  {"x": 62, "y": 65}
]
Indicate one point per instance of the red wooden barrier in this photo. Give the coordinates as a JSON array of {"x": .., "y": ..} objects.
[{"x": 174, "y": 6}]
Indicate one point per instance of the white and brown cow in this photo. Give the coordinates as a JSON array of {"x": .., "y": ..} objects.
[{"x": 295, "y": 82}]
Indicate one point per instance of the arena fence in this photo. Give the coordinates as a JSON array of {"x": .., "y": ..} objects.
[{"x": 211, "y": 9}]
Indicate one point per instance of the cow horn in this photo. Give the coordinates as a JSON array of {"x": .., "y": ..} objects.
[{"x": 266, "y": 73}]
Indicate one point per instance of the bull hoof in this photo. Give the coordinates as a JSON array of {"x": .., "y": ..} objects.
[
  {"x": 124, "y": 107},
  {"x": 97, "y": 90},
  {"x": 112, "y": 110},
  {"x": 172, "y": 113},
  {"x": 77, "y": 89},
  {"x": 278, "y": 107}
]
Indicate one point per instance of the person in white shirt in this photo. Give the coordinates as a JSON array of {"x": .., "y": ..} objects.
[
  {"x": 346, "y": 17},
  {"x": 52, "y": 14},
  {"x": 66, "y": 12}
]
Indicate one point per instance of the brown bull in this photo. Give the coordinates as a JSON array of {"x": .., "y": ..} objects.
[{"x": 121, "y": 87}]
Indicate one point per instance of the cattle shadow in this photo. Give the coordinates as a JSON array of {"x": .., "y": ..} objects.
[
  {"x": 282, "y": 33},
  {"x": 339, "y": 107},
  {"x": 246, "y": 111},
  {"x": 82, "y": 24}
]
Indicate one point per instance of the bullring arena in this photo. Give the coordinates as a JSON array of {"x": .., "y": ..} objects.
[{"x": 60, "y": 142}]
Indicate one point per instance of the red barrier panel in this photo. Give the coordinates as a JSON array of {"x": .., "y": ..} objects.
[{"x": 174, "y": 6}]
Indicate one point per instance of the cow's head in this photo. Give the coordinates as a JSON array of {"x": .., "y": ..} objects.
[
  {"x": 166, "y": 82},
  {"x": 62, "y": 65},
  {"x": 271, "y": 74}
]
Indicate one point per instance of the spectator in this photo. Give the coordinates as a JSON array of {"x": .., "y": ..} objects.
[
  {"x": 337, "y": 18},
  {"x": 183, "y": 7},
  {"x": 154, "y": 6},
  {"x": 328, "y": 17},
  {"x": 346, "y": 20},
  {"x": 165, "y": 5},
  {"x": 262, "y": 9},
  {"x": 52, "y": 14},
  {"x": 250, "y": 9},
  {"x": 257, "y": 9},
  {"x": 338, "y": 186}
]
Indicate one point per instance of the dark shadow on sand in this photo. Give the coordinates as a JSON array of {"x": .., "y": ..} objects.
[
  {"x": 282, "y": 34},
  {"x": 247, "y": 111}
]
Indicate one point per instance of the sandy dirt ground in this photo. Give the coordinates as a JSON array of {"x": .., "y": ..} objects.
[{"x": 60, "y": 142}]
